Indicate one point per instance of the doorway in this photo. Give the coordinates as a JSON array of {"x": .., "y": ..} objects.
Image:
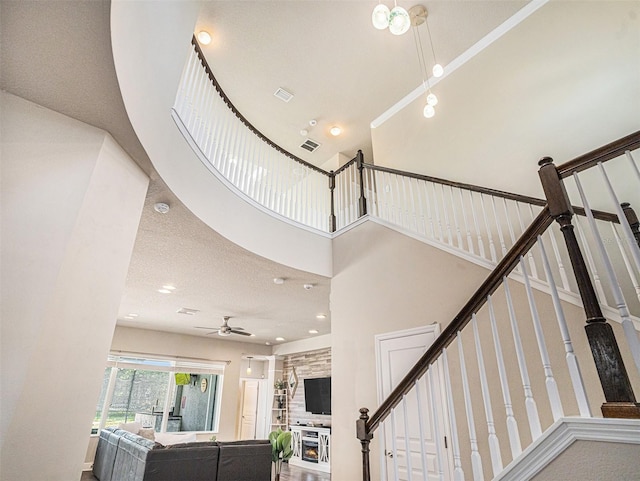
[
  {"x": 396, "y": 354},
  {"x": 249, "y": 415}
]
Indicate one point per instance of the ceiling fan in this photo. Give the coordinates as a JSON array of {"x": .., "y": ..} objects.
[{"x": 226, "y": 330}]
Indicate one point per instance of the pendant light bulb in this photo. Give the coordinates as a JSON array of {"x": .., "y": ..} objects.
[
  {"x": 438, "y": 70},
  {"x": 429, "y": 111},
  {"x": 249, "y": 368},
  {"x": 380, "y": 16},
  {"x": 432, "y": 99},
  {"x": 399, "y": 21}
]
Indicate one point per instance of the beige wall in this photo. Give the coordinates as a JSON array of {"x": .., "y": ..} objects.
[
  {"x": 166, "y": 344},
  {"x": 388, "y": 282},
  {"x": 588, "y": 96},
  {"x": 384, "y": 282},
  {"x": 71, "y": 203}
]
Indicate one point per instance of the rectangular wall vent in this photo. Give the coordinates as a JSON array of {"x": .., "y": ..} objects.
[
  {"x": 187, "y": 311},
  {"x": 310, "y": 145},
  {"x": 283, "y": 95}
]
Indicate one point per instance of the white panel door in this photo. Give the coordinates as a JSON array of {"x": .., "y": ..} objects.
[
  {"x": 249, "y": 409},
  {"x": 396, "y": 354}
]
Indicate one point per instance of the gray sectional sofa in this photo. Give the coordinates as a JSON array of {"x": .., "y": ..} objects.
[{"x": 123, "y": 456}]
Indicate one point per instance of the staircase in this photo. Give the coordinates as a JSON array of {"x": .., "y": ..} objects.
[
  {"x": 499, "y": 394},
  {"x": 510, "y": 411}
]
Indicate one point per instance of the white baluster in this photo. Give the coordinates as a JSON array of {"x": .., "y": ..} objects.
[
  {"x": 633, "y": 247},
  {"x": 602, "y": 298},
  {"x": 481, "y": 250},
  {"x": 458, "y": 474},
  {"x": 398, "y": 201},
  {"x": 423, "y": 456},
  {"x": 616, "y": 291},
  {"x": 466, "y": 223},
  {"x": 405, "y": 204},
  {"x": 512, "y": 235},
  {"x": 492, "y": 247},
  {"x": 423, "y": 221},
  {"x": 532, "y": 261},
  {"x": 407, "y": 445},
  {"x": 632, "y": 161},
  {"x": 512, "y": 425},
  {"x": 556, "y": 252},
  {"x": 455, "y": 219},
  {"x": 529, "y": 401},
  {"x": 476, "y": 460},
  {"x": 572, "y": 360},
  {"x": 414, "y": 213},
  {"x": 429, "y": 215},
  {"x": 446, "y": 215},
  {"x": 394, "y": 448},
  {"x": 441, "y": 456},
  {"x": 437, "y": 209},
  {"x": 503, "y": 246},
  {"x": 625, "y": 258},
  {"x": 494, "y": 444},
  {"x": 549, "y": 379}
]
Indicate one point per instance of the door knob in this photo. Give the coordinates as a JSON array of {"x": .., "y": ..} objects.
[{"x": 389, "y": 454}]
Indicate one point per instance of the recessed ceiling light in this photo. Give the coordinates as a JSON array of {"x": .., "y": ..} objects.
[
  {"x": 321, "y": 316},
  {"x": 164, "y": 291},
  {"x": 313, "y": 122},
  {"x": 133, "y": 314},
  {"x": 304, "y": 132},
  {"x": 204, "y": 37},
  {"x": 161, "y": 207},
  {"x": 313, "y": 331},
  {"x": 279, "y": 338},
  {"x": 278, "y": 280},
  {"x": 335, "y": 131},
  {"x": 169, "y": 287},
  {"x": 308, "y": 286},
  {"x": 187, "y": 311},
  {"x": 268, "y": 343},
  {"x": 129, "y": 317}
]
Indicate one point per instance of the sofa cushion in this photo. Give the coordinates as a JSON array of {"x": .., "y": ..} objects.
[
  {"x": 245, "y": 461},
  {"x": 106, "y": 454},
  {"x": 189, "y": 462},
  {"x": 131, "y": 457}
]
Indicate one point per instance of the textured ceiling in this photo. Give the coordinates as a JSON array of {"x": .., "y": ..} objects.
[{"x": 342, "y": 72}]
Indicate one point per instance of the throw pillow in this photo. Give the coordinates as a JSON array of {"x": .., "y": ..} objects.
[
  {"x": 133, "y": 427},
  {"x": 168, "y": 439},
  {"x": 147, "y": 433}
]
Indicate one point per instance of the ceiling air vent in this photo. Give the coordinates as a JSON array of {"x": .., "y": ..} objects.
[
  {"x": 187, "y": 311},
  {"x": 283, "y": 95},
  {"x": 310, "y": 145}
]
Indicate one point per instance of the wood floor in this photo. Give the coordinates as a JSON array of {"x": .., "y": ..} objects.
[{"x": 289, "y": 473}]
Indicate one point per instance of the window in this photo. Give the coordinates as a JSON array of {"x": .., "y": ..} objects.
[{"x": 146, "y": 391}]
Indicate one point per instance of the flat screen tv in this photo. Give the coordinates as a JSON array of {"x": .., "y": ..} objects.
[{"x": 317, "y": 395}]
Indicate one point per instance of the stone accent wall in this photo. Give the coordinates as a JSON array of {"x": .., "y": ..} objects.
[{"x": 308, "y": 365}]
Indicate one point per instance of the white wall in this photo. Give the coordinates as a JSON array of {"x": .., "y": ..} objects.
[{"x": 71, "y": 203}]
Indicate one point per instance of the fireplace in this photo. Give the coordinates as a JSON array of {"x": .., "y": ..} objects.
[{"x": 310, "y": 450}]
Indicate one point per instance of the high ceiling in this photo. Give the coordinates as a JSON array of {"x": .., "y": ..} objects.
[{"x": 341, "y": 71}]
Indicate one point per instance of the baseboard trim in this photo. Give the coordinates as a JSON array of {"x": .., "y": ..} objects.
[
  {"x": 561, "y": 435},
  {"x": 87, "y": 467}
]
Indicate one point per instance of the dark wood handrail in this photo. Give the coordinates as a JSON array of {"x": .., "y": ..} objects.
[
  {"x": 602, "y": 154},
  {"x": 242, "y": 118},
  {"x": 598, "y": 214},
  {"x": 448, "y": 335},
  {"x": 346, "y": 165}
]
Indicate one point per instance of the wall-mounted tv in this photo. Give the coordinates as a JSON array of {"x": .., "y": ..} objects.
[{"x": 317, "y": 395}]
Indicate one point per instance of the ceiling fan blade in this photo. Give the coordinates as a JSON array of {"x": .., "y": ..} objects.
[{"x": 236, "y": 331}]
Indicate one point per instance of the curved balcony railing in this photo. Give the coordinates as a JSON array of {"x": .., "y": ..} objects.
[{"x": 239, "y": 155}]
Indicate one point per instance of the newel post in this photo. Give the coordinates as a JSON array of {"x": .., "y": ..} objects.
[
  {"x": 365, "y": 438},
  {"x": 332, "y": 215},
  {"x": 632, "y": 220},
  {"x": 620, "y": 400},
  {"x": 362, "y": 202}
]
